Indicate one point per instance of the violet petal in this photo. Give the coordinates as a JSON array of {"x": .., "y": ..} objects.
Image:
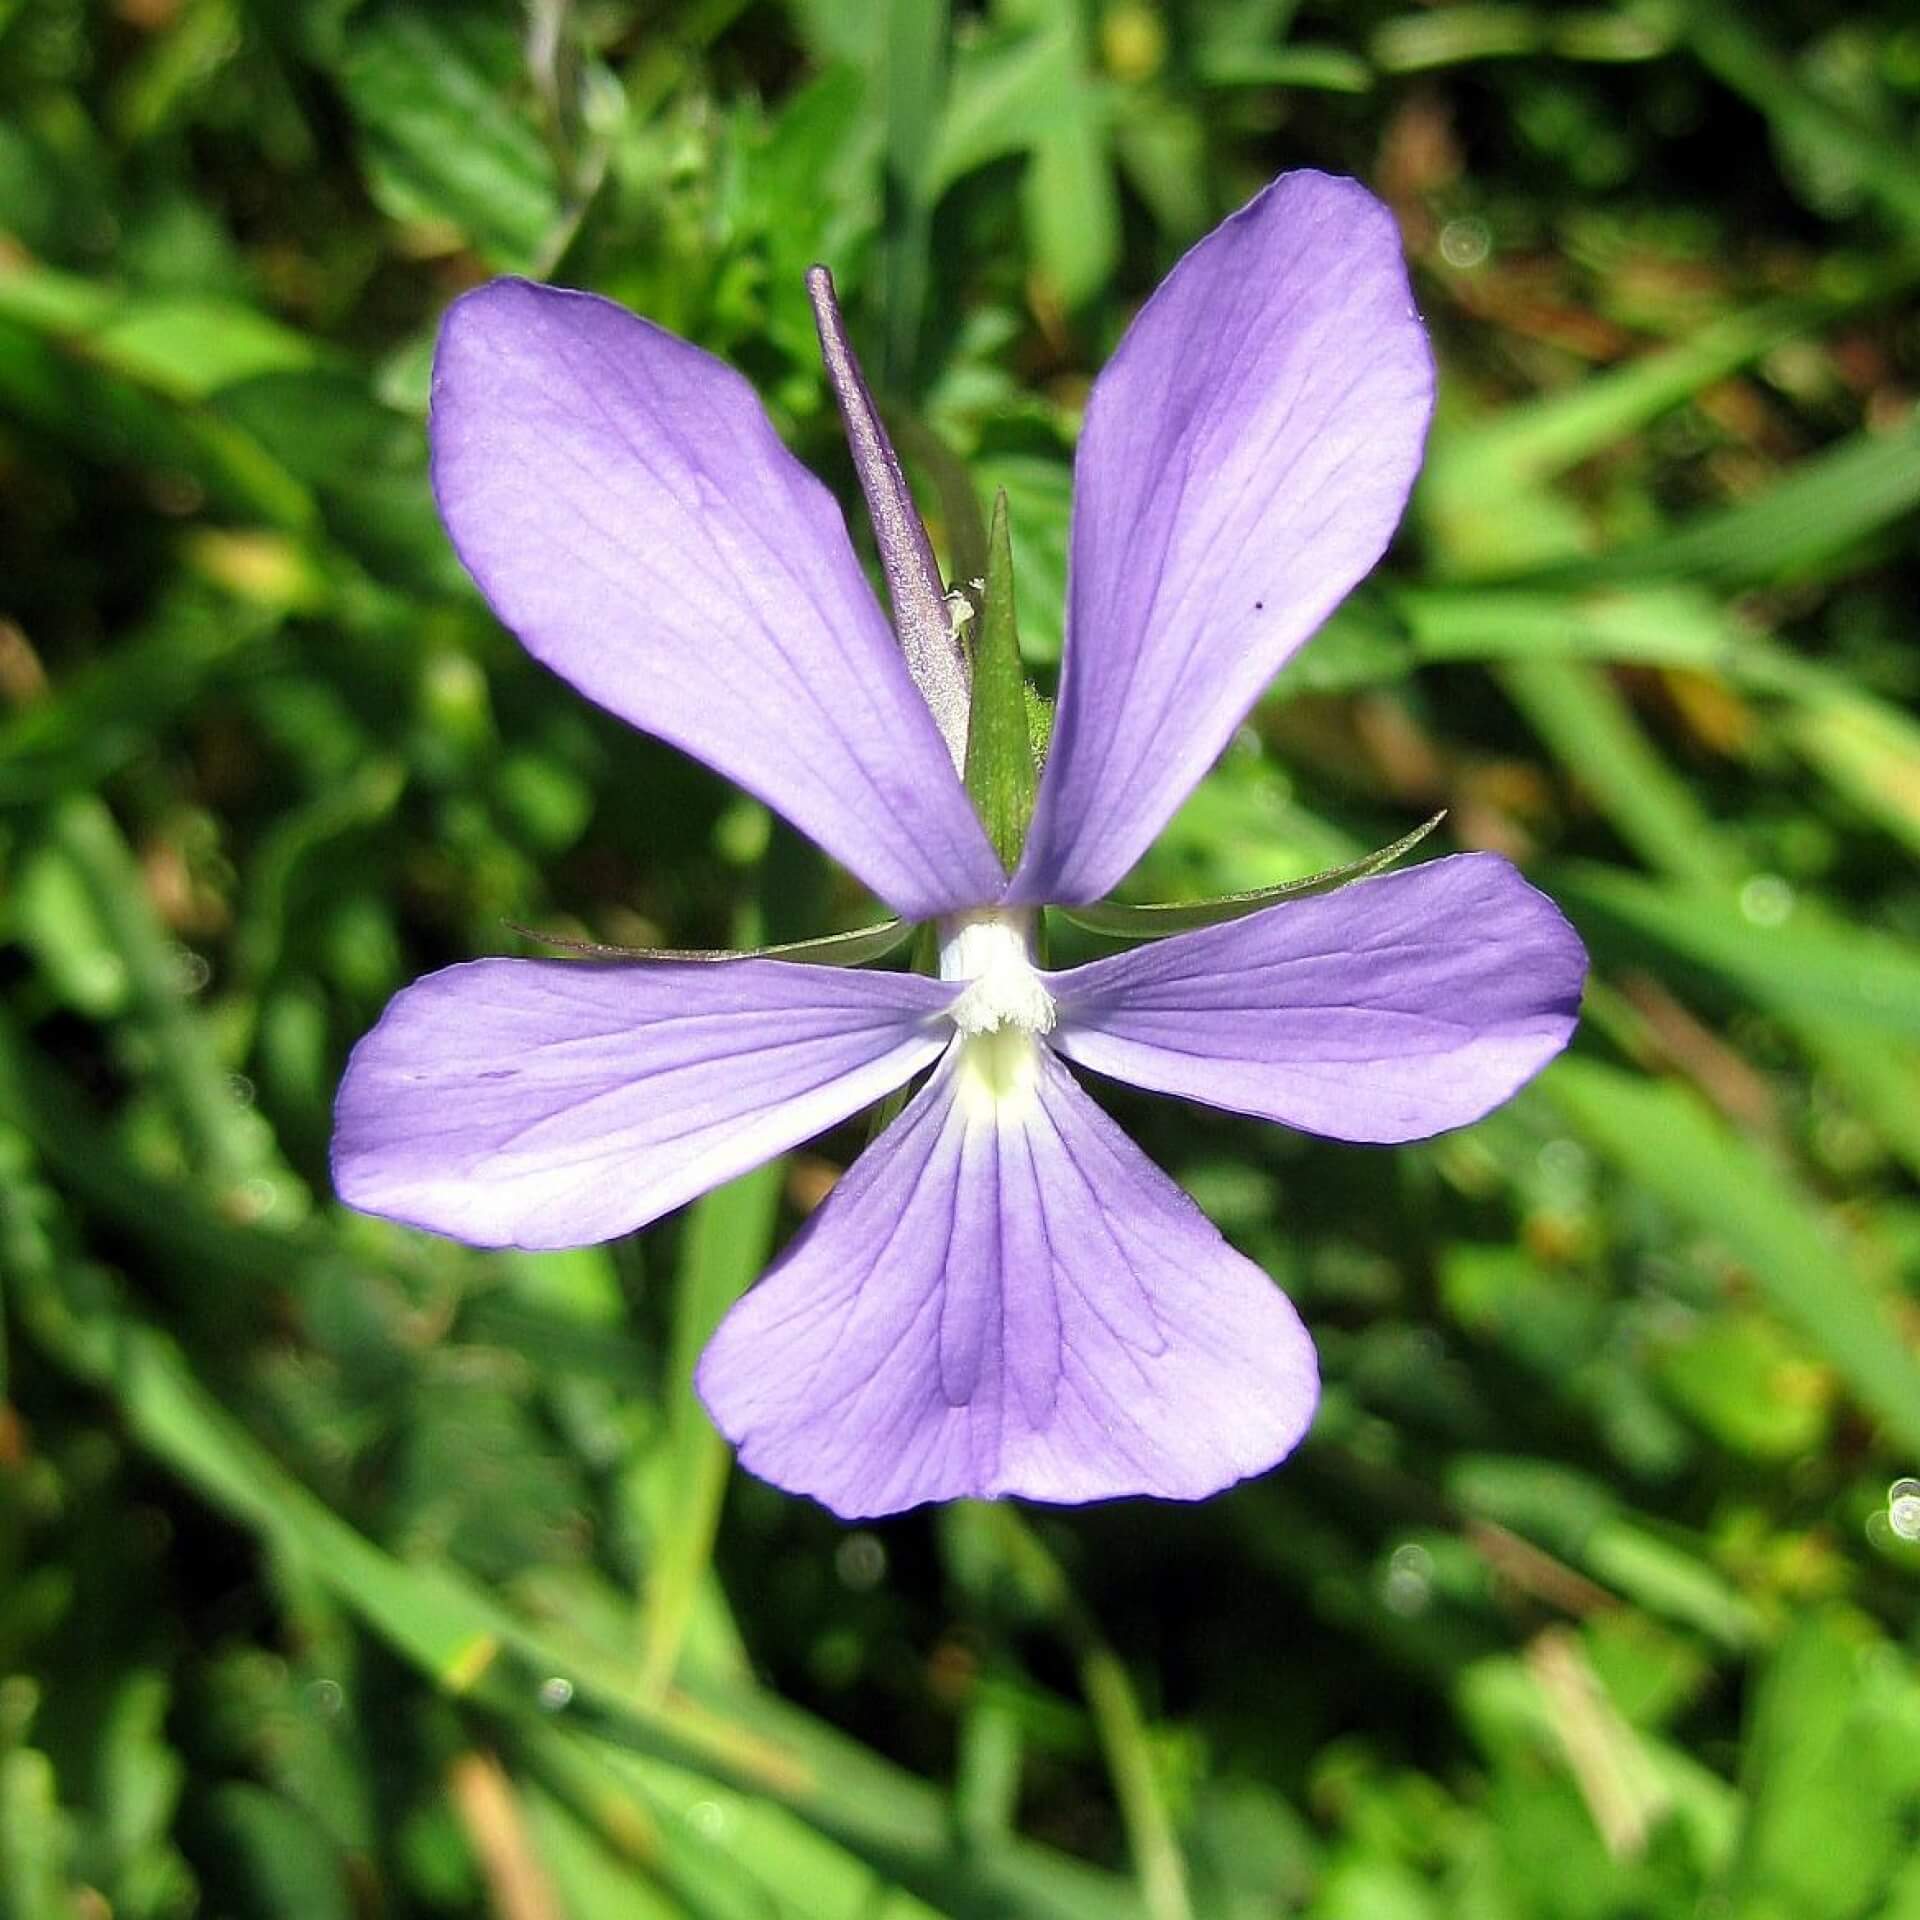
[
  {"x": 628, "y": 510},
  {"x": 1392, "y": 1009},
  {"x": 1247, "y": 453},
  {"x": 554, "y": 1103},
  {"x": 1008, "y": 1298}
]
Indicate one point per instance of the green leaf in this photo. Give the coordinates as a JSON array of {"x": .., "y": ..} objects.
[
  {"x": 1653, "y": 624},
  {"x": 594, "y": 1880},
  {"x": 54, "y": 916},
  {"x": 274, "y": 1861},
  {"x": 813, "y": 191},
  {"x": 471, "y": 1646},
  {"x": 999, "y": 749},
  {"x": 915, "y": 36},
  {"x": 1727, "y": 45},
  {"x": 184, "y": 346},
  {"x": 1030, "y": 92},
  {"x": 1584, "y": 717},
  {"x": 36, "y": 1839},
  {"x": 227, "y": 1140},
  {"x": 1071, "y": 205},
  {"x": 1748, "y": 1385},
  {"x": 1669, "y": 1142},
  {"x": 1808, "y": 965},
  {"x": 1003, "y": 93},
  {"x": 1799, "y": 527},
  {"x": 193, "y": 348},
  {"x": 1833, "y": 1747},
  {"x": 1544, "y": 436},
  {"x": 1119, "y": 921},
  {"x": 431, "y": 90},
  {"x": 111, "y": 419},
  {"x": 1866, "y": 747},
  {"x": 1868, "y": 751},
  {"x": 1316, "y": 69},
  {"x": 140, "y": 1778},
  {"x": 1039, "y": 494}
]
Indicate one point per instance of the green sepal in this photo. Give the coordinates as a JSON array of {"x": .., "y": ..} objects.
[
  {"x": 1039, "y": 723},
  {"x": 1120, "y": 922},
  {"x": 999, "y": 747},
  {"x": 853, "y": 949}
]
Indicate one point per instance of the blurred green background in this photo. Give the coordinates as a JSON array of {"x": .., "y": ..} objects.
[{"x": 346, "y": 1573}]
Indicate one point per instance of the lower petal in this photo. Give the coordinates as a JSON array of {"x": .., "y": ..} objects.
[{"x": 1005, "y": 1297}]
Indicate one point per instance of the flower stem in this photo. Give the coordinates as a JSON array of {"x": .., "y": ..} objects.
[
  {"x": 1158, "y": 1863},
  {"x": 729, "y": 1235}
]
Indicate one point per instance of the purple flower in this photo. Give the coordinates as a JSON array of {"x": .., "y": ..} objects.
[{"x": 1003, "y": 1296}]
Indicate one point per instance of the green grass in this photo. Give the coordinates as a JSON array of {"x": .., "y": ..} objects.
[{"x": 345, "y": 1572}]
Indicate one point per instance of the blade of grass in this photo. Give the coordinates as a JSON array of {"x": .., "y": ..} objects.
[
  {"x": 915, "y": 52},
  {"x": 1318, "y": 69},
  {"x": 596, "y": 1880},
  {"x": 1669, "y": 1142},
  {"x": 105, "y": 417},
  {"x": 1593, "y": 732},
  {"x": 1808, "y": 964},
  {"x": 1158, "y": 1861},
  {"x": 93, "y": 721},
  {"x": 1582, "y": 717},
  {"x": 986, "y": 1788},
  {"x": 1739, "y": 58},
  {"x": 226, "y": 1139},
  {"x": 1868, "y": 749},
  {"x": 35, "y": 1839},
  {"x": 1541, "y": 438},
  {"x": 1819, "y": 511},
  {"x": 728, "y": 1238},
  {"x": 473, "y": 1648}
]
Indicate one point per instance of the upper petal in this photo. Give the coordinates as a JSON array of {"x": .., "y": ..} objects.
[
  {"x": 1246, "y": 457},
  {"x": 553, "y": 1103},
  {"x": 628, "y": 510},
  {"x": 1006, "y": 1297},
  {"x": 1390, "y": 1010}
]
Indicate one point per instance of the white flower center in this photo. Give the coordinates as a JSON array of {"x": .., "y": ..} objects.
[
  {"x": 1002, "y": 1012},
  {"x": 993, "y": 953}
]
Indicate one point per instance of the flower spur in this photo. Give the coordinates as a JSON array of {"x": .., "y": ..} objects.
[{"x": 1002, "y": 1296}]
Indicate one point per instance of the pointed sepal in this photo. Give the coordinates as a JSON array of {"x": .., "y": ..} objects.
[
  {"x": 999, "y": 769},
  {"x": 853, "y": 949},
  {"x": 1120, "y": 922},
  {"x": 935, "y": 657}
]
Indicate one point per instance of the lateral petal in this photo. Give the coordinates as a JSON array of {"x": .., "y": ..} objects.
[
  {"x": 1392, "y": 1009},
  {"x": 1246, "y": 456},
  {"x": 554, "y": 1103},
  {"x": 626, "y": 507},
  {"x": 1005, "y": 1297}
]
